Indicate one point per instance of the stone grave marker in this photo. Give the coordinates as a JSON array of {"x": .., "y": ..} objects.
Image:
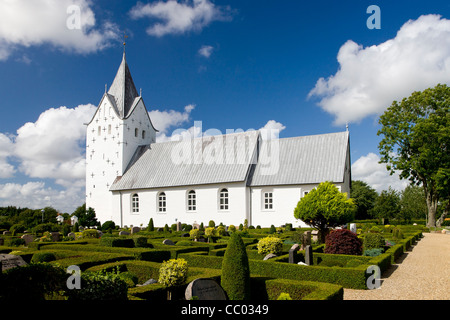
[
  {"x": 205, "y": 289},
  {"x": 124, "y": 233},
  {"x": 27, "y": 238},
  {"x": 55, "y": 236},
  {"x": 168, "y": 242},
  {"x": 8, "y": 261},
  {"x": 353, "y": 227},
  {"x": 135, "y": 230},
  {"x": 308, "y": 255},
  {"x": 71, "y": 235},
  {"x": 315, "y": 235},
  {"x": 178, "y": 226},
  {"x": 306, "y": 239},
  {"x": 292, "y": 252},
  {"x": 270, "y": 256}
]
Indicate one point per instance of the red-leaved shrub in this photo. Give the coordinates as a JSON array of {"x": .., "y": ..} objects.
[{"x": 343, "y": 241}]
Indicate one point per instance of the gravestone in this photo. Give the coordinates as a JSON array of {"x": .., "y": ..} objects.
[
  {"x": 8, "y": 261},
  {"x": 306, "y": 239},
  {"x": 168, "y": 242},
  {"x": 124, "y": 233},
  {"x": 205, "y": 289},
  {"x": 270, "y": 256},
  {"x": 6, "y": 233},
  {"x": 135, "y": 230},
  {"x": 146, "y": 283},
  {"x": 195, "y": 225},
  {"x": 353, "y": 227},
  {"x": 55, "y": 236},
  {"x": 292, "y": 252},
  {"x": 71, "y": 235},
  {"x": 308, "y": 255},
  {"x": 27, "y": 238},
  {"x": 178, "y": 226},
  {"x": 315, "y": 235}
]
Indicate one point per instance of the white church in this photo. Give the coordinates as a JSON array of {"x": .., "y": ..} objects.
[{"x": 225, "y": 178}]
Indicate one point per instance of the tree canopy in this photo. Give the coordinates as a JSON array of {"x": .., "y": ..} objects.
[{"x": 416, "y": 139}]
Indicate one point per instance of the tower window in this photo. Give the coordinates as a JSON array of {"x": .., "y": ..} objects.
[
  {"x": 223, "y": 199},
  {"x": 135, "y": 203},
  {"x": 162, "y": 202},
  {"x": 191, "y": 201},
  {"x": 99, "y": 131},
  {"x": 143, "y": 134},
  {"x": 136, "y": 132},
  {"x": 109, "y": 129}
]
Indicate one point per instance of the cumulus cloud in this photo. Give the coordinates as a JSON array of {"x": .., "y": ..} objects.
[
  {"x": 370, "y": 78},
  {"x": 179, "y": 17},
  {"x": 271, "y": 130},
  {"x": 53, "y": 146},
  {"x": 69, "y": 25},
  {"x": 205, "y": 51},
  {"x": 166, "y": 119},
  {"x": 6, "y": 147},
  {"x": 368, "y": 169}
]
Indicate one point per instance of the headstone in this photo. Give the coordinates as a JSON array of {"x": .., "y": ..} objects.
[
  {"x": 124, "y": 233},
  {"x": 27, "y": 238},
  {"x": 168, "y": 242},
  {"x": 81, "y": 228},
  {"x": 9, "y": 261},
  {"x": 353, "y": 227},
  {"x": 205, "y": 289},
  {"x": 178, "y": 226},
  {"x": 306, "y": 239},
  {"x": 270, "y": 256},
  {"x": 309, "y": 255},
  {"x": 292, "y": 252},
  {"x": 302, "y": 263},
  {"x": 71, "y": 235},
  {"x": 149, "y": 281},
  {"x": 55, "y": 236},
  {"x": 195, "y": 225},
  {"x": 315, "y": 235},
  {"x": 135, "y": 230},
  {"x": 6, "y": 233}
]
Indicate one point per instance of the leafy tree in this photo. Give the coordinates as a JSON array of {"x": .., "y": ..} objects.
[
  {"x": 325, "y": 207},
  {"x": 364, "y": 197},
  {"x": 387, "y": 205},
  {"x": 86, "y": 218},
  {"x": 412, "y": 203},
  {"x": 416, "y": 140}
]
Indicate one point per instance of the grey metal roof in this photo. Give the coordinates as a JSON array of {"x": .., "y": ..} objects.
[
  {"x": 226, "y": 158},
  {"x": 303, "y": 160},
  {"x": 122, "y": 90}
]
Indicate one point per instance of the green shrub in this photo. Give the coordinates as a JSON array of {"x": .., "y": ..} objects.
[
  {"x": 173, "y": 272},
  {"x": 90, "y": 234},
  {"x": 117, "y": 242},
  {"x": 140, "y": 242},
  {"x": 211, "y": 224},
  {"x": 221, "y": 231},
  {"x": 231, "y": 228},
  {"x": 107, "y": 225},
  {"x": 194, "y": 234},
  {"x": 284, "y": 296},
  {"x": 272, "y": 229},
  {"x": 373, "y": 240},
  {"x": 373, "y": 252},
  {"x": 151, "y": 227},
  {"x": 270, "y": 244},
  {"x": 397, "y": 234},
  {"x": 15, "y": 242},
  {"x": 184, "y": 243},
  {"x": 17, "y": 228},
  {"x": 43, "y": 257},
  {"x": 235, "y": 279},
  {"x": 210, "y": 232}
]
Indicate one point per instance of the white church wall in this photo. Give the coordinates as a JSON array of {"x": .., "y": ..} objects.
[{"x": 207, "y": 205}]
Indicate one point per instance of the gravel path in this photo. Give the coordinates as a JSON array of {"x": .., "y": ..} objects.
[{"x": 423, "y": 273}]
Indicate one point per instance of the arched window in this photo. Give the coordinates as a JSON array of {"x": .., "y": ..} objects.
[
  {"x": 267, "y": 200},
  {"x": 135, "y": 203},
  {"x": 136, "y": 132},
  {"x": 143, "y": 134},
  {"x": 191, "y": 201},
  {"x": 109, "y": 129},
  {"x": 162, "y": 202},
  {"x": 223, "y": 199}
]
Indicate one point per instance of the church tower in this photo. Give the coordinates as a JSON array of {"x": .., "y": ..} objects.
[{"x": 119, "y": 126}]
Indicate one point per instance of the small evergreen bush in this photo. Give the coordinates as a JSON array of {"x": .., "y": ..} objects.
[
  {"x": 270, "y": 244},
  {"x": 343, "y": 241},
  {"x": 373, "y": 240},
  {"x": 235, "y": 279},
  {"x": 90, "y": 234},
  {"x": 43, "y": 257},
  {"x": 373, "y": 252}
]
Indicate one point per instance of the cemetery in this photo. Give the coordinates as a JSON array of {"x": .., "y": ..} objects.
[{"x": 185, "y": 262}]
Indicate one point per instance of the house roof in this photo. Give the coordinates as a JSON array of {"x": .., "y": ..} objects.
[
  {"x": 302, "y": 160},
  {"x": 223, "y": 158}
]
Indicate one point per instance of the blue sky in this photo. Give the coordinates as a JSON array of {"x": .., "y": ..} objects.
[{"x": 305, "y": 67}]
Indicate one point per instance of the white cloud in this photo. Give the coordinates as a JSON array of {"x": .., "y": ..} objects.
[
  {"x": 179, "y": 17},
  {"x": 271, "y": 130},
  {"x": 164, "y": 120},
  {"x": 53, "y": 146},
  {"x": 205, "y": 51},
  {"x": 370, "y": 78},
  {"x": 6, "y": 147},
  {"x": 368, "y": 169},
  {"x": 25, "y": 23}
]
